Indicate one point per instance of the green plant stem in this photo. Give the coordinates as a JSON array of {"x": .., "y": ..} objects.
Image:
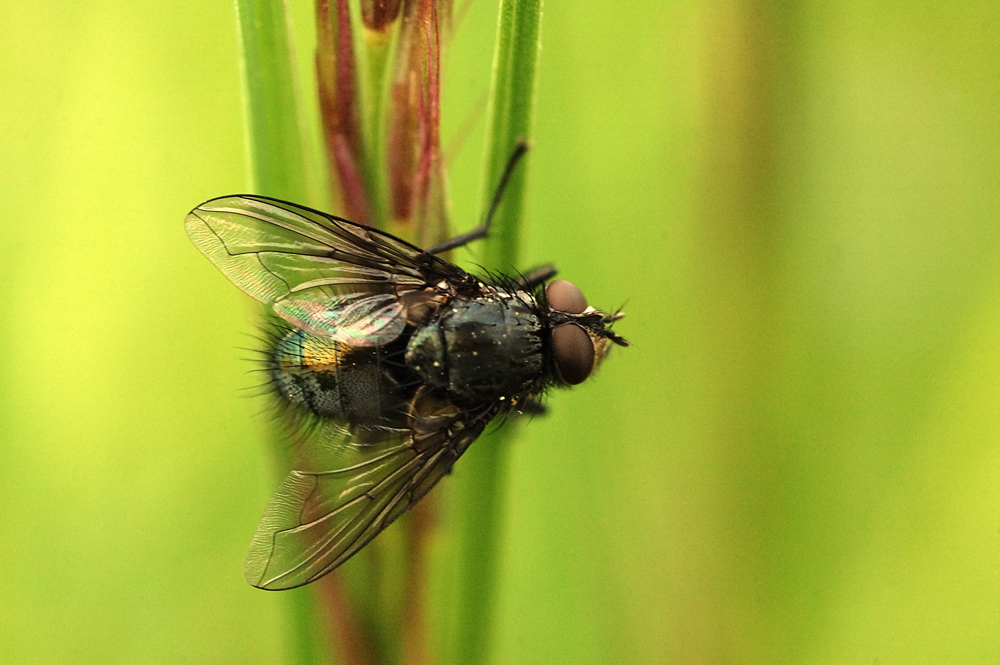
[
  {"x": 271, "y": 101},
  {"x": 481, "y": 482},
  {"x": 509, "y": 119},
  {"x": 276, "y": 148}
]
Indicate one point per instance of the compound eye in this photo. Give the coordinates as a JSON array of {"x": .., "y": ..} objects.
[
  {"x": 573, "y": 350},
  {"x": 565, "y": 297}
]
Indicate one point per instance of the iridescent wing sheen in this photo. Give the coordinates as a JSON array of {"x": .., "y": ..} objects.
[
  {"x": 321, "y": 273},
  {"x": 341, "y": 494}
]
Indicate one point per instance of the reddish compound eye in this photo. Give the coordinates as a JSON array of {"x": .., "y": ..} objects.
[
  {"x": 571, "y": 345},
  {"x": 566, "y": 297},
  {"x": 574, "y": 353}
]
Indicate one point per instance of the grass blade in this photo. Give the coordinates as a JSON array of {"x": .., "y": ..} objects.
[
  {"x": 273, "y": 109},
  {"x": 272, "y": 102},
  {"x": 481, "y": 483}
]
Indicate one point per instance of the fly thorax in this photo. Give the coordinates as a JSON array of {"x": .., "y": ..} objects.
[{"x": 480, "y": 350}]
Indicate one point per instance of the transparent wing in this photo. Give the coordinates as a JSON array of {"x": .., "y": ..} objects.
[
  {"x": 321, "y": 273},
  {"x": 341, "y": 494}
]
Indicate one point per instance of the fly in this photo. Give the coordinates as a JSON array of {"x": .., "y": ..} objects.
[{"x": 397, "y": 358}]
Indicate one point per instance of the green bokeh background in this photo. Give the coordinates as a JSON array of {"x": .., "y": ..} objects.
[{"x": 796, "y": 462}]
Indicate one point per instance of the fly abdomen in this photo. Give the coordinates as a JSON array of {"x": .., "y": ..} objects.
[{"x": 356, "y": 385}]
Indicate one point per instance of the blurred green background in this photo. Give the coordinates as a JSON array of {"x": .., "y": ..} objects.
[{"x": 796, "y": 462}]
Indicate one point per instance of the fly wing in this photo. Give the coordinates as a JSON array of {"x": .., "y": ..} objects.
[
  {"x": 341, "y": 494},
  {"x": 321, "y": 273}
]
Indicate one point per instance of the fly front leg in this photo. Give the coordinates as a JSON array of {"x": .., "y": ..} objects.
[{"x": 536, "y": 277}]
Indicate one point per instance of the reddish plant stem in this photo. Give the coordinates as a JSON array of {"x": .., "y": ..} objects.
[
  {"x": 338, "y": 100},
  {"x": 378, "y": 15},
  {"x": 416, "y": 170},
  {"x": 352, "y": 648}
]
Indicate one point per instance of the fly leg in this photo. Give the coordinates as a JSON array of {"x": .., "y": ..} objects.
[
  {"x": 483, "y": 229},
  {"x": 531, "y": 407},
  {"x": 536, "y": 277}
]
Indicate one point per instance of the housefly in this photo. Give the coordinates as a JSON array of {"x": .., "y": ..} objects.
[{"x": 395, "y": 357}]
